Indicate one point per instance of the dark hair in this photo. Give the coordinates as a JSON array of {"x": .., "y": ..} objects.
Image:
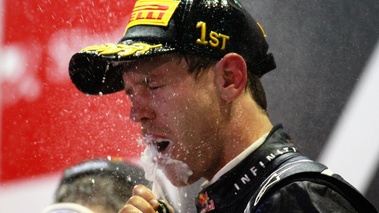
[
  {"x": 100, "y": 183},
  {"x": 197, "y": 64}
]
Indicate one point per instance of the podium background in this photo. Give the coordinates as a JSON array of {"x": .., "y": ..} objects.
[{"x": 322, "y": 91}]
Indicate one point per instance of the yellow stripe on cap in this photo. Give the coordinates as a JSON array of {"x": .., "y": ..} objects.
[{"x": 262, "y": 30}]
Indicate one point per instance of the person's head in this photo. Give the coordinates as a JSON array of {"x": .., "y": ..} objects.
[
  {"x": 191, "y": 69},
  {"x": 67, "y": 208},
  {"x": 100, "y": 185}
]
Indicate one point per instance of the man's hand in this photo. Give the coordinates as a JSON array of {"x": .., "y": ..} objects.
[{"x": 143, "y": 200}]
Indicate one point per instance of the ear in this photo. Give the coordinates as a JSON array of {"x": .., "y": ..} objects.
[{"x": 231, "y": 76}]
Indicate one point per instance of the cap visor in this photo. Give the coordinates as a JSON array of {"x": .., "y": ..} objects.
[{"x": 93, "y": 73}]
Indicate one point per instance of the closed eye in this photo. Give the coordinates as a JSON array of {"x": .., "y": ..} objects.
[
  {"x": 150, "y": 85},
  {"x": 154, "y": 87}
]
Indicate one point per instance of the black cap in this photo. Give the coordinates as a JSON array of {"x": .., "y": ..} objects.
[{"x": 207, "y": 28}]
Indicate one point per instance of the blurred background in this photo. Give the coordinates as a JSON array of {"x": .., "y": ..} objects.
[{"x": 325, "y": 90}]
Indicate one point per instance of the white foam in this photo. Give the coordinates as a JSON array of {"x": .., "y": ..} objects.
[{"x": 152, "y": 160}]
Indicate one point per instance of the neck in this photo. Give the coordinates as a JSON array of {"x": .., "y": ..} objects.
[{"x": 246, "y": 124}]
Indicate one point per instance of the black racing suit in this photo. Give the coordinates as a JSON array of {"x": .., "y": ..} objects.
[{"x": 240, "y": 189}]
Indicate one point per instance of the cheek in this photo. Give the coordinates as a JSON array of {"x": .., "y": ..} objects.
[
  {"x": 174, "y": 106},
  {"x": 191, "y": 111}
]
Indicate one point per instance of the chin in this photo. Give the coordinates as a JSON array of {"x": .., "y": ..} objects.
[
  {"x": 178, "y": 173},
  {"x": 177, "y": 181}
]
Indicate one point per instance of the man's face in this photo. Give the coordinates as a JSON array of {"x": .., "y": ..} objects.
[{"x": 178, "y": 112}]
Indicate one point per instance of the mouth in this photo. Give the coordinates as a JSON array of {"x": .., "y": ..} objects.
[{"x": 161, "y": 145}]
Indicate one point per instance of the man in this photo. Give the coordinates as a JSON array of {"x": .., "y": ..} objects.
[
  {"x": 192, "y": 70},
  {"x": 96, "y": 185}
]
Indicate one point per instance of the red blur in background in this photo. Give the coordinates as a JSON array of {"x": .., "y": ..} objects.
[{"x": 47, "y": 124}]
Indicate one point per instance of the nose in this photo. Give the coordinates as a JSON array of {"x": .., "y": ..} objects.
[{"x": 141, "y": 110}]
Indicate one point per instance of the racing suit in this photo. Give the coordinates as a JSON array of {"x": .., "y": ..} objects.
[{"x": 242, "y": 189}]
